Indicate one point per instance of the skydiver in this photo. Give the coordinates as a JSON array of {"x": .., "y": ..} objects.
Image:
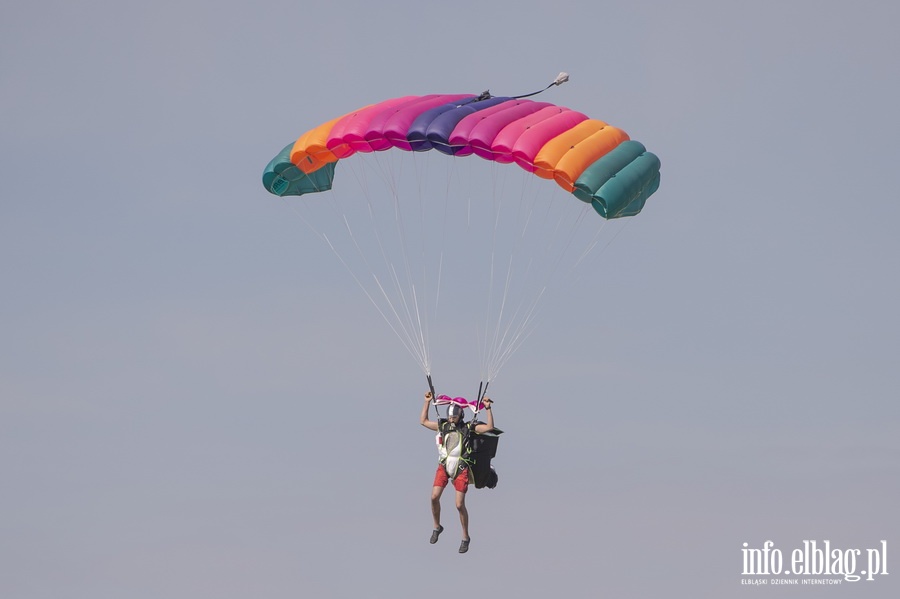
[{"x": 455, "y": 449}]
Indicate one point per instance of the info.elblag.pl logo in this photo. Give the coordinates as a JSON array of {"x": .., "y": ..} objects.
[{"x": 812, "y": 562}]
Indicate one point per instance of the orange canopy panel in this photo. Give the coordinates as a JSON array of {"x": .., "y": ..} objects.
[{"x": 553, "y": 151}]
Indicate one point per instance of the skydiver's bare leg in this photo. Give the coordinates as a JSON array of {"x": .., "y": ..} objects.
[
  {"x": 436, "y": 506},
  {"x": 463, "y": 514}
]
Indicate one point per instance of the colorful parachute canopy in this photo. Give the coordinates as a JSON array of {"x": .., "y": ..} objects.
[{"x": 597, "y": 162}]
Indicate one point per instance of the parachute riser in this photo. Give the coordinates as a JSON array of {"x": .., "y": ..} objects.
[
  {"x": 433, "y": 396},
  {"x": 482, "y": 391}
]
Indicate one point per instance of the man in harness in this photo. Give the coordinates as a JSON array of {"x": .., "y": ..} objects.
[{"x": 455, "y": 446}]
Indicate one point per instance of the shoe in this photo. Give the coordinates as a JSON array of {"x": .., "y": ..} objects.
[
  {"x": 435, "y": 534},
  {"x": 464, "y": 545}
]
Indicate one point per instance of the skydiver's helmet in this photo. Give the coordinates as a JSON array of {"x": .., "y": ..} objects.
[{"x": 456, "y": 410}]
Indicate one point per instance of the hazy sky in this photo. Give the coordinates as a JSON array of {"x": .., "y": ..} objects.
[{"x": 196, "y": 400}]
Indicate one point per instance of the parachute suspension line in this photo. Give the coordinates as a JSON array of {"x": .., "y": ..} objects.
[
  {"x": 429, "y": 240},
  {"x": 404, "y": 338},
  {"x": 500, "y": 347},
  {"x": 508, "y": 329},
  {"x": 413, "y": 314},
  {"x": 486, "y": 348},
  {"x": 528, "y": 323},
  {"x": 524, "y": 237},
  {"x": 580, "y": 221},
  {"x": 525, "y": 327},
  {"x": 408, "y": 329},
  {"x": 515, "y": 323},
  {"x": 422, "y": 205},
  {"x": 443, "y": 238},
  {"x": 504, "y": 345},
  {"x": 496, "y": 201},
  {"x": 404, "y": 332},
  {"x": 568, "y": 244},
  {"x": 596, "y": 241},
  {"x": 401, "y": 234},
  {"x": 494, "y": 349},
  {"x": 499, "y": 344},
  {"x": 513, "y": 332}
]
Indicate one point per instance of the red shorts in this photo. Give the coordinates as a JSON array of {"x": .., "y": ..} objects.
[{"x": 460, "y": 483}]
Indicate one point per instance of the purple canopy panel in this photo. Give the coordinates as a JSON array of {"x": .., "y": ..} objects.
[
  {"x": 436, "y": 133},
  {"x": 389, "y": 129}
]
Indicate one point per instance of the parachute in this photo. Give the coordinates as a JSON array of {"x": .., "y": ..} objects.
[{"x": 595, "y": 162}]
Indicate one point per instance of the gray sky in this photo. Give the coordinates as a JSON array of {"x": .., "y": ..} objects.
[{"x": 196, "y": 401}]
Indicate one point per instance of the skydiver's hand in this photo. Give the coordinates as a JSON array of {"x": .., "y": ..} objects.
[
  {"x": 487, "y": 401},
  {"x": 428, "y": 396}
]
